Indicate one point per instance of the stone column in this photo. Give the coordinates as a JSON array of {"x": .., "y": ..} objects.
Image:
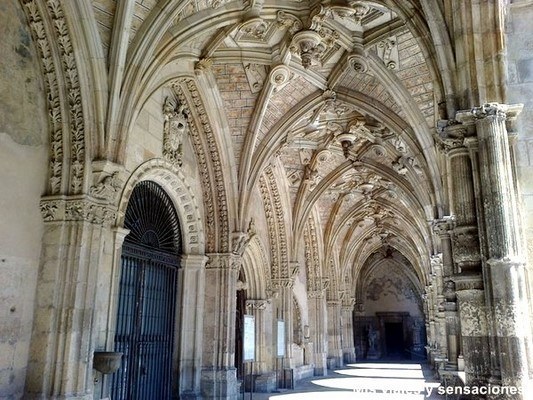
[
  {"x": 261, "y": 309},
  {"x": 318, "y": 323},
  {"x": 334, "y": 333},
  {"x": 60, "y": 363},
  {"x": 506, "y": 262},
  {"x": 440, "y": 347},
  {"x": 285, "y": 303},
  {"x": 465, "y": 240},
  {"x": 473, "y": 147},
  {"x": 219, "y": 375},
  {"x": 348, "y": 347},
  {"x": 191, "y": 280},
  {"x": 107, "y": 295},
  {"x": 474, "y": 329},
  {"x": 452, "y": 323}
]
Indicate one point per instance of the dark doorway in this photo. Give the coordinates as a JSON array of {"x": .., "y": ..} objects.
[
  {"x": 394, "y": 340},
  {"x": 147, "y": 297},
  {"x": 239, "y": 332}
]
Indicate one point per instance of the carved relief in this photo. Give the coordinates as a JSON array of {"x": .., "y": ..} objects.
[
  {"x": 256, "y": 75},
  {"x": 254, "y": 28},
  {"x": 265, "y": 195},
  {"x": 107, "y": 188},
  {"x": 288, "y": 21},
  {"x": 214, "y": 192},
  {"x": 175, "y": 128},
  {"x": 387, "y": 51},
  {"x": 54, "y": 209},
  {"x": 465, "y": 247}
]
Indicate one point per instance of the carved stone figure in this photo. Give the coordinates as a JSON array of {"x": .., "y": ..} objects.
[{"x": 174, "y": 128}]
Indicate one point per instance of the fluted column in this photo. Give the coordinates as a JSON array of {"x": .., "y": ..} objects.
[
  {"x": 348, "y": 347},
  {"x": 75, "y": 231},
  {"x": 506, "y": 262},
  {"x": 465, "y": 240},
  {"x": 219, "y": 376}
]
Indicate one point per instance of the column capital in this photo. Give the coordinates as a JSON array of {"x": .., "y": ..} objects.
[
  {"x": 223, "y": 261},
  {"x": 348, "y": 304},
  {"x": 120, "y": 234},
  {"x": 257, "y": 304},
  {"x": 81, "y": 208},
  {"x": 282, "y": 283},
  {"x": 443, "y": 226},
  {"x": 193, "y": 261},
  {"x": 507, "y": 112}
]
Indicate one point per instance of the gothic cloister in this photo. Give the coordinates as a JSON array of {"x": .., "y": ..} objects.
[{"x": 218, "y": 189}]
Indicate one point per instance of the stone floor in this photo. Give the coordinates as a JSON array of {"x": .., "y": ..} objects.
[{"x": 365, "y": 381}]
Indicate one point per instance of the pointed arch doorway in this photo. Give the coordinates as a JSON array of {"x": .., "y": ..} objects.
[{"x": 147, "y": 296}]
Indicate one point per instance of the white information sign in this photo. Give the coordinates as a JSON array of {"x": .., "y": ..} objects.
[
  {"x": 249, "y": 338},
  {"x": 281, "y": 338}
]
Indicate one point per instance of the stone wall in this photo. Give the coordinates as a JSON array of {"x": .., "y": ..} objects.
[
  {"x": 391, "y": 290},
  {"x": 520, "y": 90},
  {"x": 23, "y": 166}
]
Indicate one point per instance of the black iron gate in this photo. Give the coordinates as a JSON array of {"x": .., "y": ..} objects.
[{"x": 147, "y": 297}]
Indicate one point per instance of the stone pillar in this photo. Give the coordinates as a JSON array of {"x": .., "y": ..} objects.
[
  {"x": 334, "y": 333},
  {"x": 440, "y": 347},
  {"x": 473, "y": 147},
  {"x": 261, "y": 309},
  {"x": 452, "y": 323},
  {"x": 284, "y": 311},
  {"x": 219, "y": 375},
  {"x": 474, "y": 329},
  {"x": 506, "y": 262},
  {"x": 318, "y": 323},
  {"x": 191, "y": 280},
  {"x": 348, "y": 347},
  {"x": 60, "y": 363},
  {"x": 107, "y": 295}
]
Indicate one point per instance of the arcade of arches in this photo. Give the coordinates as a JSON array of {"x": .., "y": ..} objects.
[{"x": 355, "y": 175}]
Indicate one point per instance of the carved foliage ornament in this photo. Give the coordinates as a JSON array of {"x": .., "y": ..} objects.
[
  {"x": 73, "y": 111},
  {"x": 213, "y": 187},
  {"x": 83, "y": 209}
]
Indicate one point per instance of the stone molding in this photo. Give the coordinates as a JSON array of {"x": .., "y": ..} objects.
[
  {"x": 216, "y": 206},
  {"x": 467, "y": 282},
  {"x": 177, "y": 186},
  {"x": 58, "y": 63},
  {"x": 276, "y": 225}
]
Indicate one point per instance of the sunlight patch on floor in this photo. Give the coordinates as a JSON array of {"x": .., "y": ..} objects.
[
  {"x": 347, "y": 396},
  {"x": 382, "y": 373},
  {"x": 370, "y": 381}
]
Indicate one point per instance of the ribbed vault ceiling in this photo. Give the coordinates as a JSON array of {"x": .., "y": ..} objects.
[{"x": 337, "y": 97}]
